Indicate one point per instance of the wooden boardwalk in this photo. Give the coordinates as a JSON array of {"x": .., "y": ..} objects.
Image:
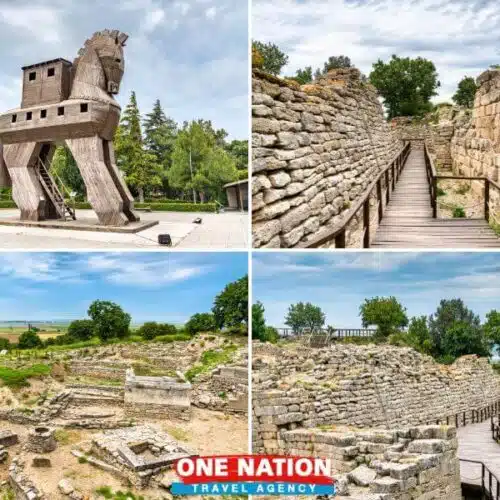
[
  {"x": 408, "y": 222},
  {"x": 476, "y": 443}
]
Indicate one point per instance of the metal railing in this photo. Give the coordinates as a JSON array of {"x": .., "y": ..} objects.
[
  {"x": 390, "y": 175},
  {"x": 334, "y": 333},
  {"x": 490, "y": 485},
  {"x": 433, "y": 177},
  {"x": 463, "y": 418}
]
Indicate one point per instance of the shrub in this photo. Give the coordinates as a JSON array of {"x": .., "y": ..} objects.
[
  {"x": 271, "y": 335},
  {"x": 29, "y": 340},
  {"x": 440, "y": 191},
  {"x": 458, "y": 213},
  {"x": 81, "y": 329},
  {"x": 200, "y": 322},
  {"x": 4, "y": 344},
  {"x": 7, "y": 204},
  {"x": 171, "y": 206},
  {"x": 149, "y": 330},
  {"x": 178, "y": 337}
]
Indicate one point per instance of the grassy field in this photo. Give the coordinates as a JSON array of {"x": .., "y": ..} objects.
[{"x": 11, "y": 333}]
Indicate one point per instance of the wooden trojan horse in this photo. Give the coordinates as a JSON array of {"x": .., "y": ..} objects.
[{"x": 72, "y": 104}]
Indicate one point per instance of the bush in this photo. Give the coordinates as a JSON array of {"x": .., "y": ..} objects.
[
  {"x": 178, "y": 337},
  {"x": 4, "y": 344},
  {"x": 171, "y": 206},
  {"x": 149, "y": 330},
  {"x": 200, "y": 322},
  {"x": 458, "y": 213},
  {"x": 270, "y": 335},
  {"x": 29, "y": 340},
  {"x": 81, "y": 329},
  {"x": 7, "y": 204}
]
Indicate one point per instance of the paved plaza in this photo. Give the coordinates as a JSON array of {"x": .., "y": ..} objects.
[{"x": 224, "y": 230}]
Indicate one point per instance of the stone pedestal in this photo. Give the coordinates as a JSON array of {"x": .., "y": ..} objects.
[{"x": 41, "y": 440}]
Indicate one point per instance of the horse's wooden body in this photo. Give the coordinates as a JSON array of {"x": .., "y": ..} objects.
[{"x": 70, "y": 104}]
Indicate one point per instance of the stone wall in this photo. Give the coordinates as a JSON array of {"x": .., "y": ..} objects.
[
  {"x": 418, "y": 462},
  {"x": 157, "y": 397},
  {"x": 364, "y": 386},
  {"x": 316, "y": 149}
]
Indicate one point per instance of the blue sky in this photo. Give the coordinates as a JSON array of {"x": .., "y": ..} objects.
[
  {"x": 461, "y": 37},
  {"x": 191, "y": 54},
  {"x": 167, "y": 287},
  {"x": 339, "y": 283}
]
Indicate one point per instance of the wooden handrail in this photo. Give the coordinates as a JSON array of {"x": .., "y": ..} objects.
[
  {"x": 337, "y": 232},
  {"x": 433, "y": 179}
]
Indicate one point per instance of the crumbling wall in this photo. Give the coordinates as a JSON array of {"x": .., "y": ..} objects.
[
  {"x": 316, "y": 149},
  {"x": 418, "y": 462},
  {"x": 364, "y": 386}
]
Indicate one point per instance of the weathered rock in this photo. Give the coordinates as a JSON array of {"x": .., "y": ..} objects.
[{"x": 362, "y": 475}]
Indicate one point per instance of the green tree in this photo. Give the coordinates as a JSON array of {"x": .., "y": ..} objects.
[
  {"x": 406, "y": 85},
  {"x": 239, "y": 150},
  {"x": 29, "y": 340},
  {"x": 464, "y": 338},
  {"x": 110, "y": 320},
  {"x": 448, "y": 314},
  {"x": 258, "y": 321},
  {"x": 231, "y": 305},
  {"x": 81, "y": 329},
  {"x": 303, "y": 76},
  {"x": 466, "y": 92},
  {"x": 149, "y": 330},
  {"x": 386, "y": 313},
  {"x": 141, "y": 167},
  {"x": 491, "y": 329},
  {"x": 192, "y": 146},
  {"x": 334, "y": 62},
  {"x": 200, "y": 322},
  {"x": 273, "y": 59},
  {"x": 160, "y": 133},
  {"x": 64, "y": 167},
  {"x": 216, "y": 169},
  {"x": 300, "y": 316},
  {"x": 418, "y": 335}
]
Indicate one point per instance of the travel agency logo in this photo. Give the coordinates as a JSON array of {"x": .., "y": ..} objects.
[{"x": 253, "y": 475}]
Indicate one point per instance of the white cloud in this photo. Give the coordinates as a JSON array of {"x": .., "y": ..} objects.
[
  {"x": 455, "y": 35},
  {"x": 153, "y": 19},
  {"x": 134, "y": 271},
  {"x": 211, "y": 12}
]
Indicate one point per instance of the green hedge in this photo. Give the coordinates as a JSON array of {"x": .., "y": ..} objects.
[
  {"x": 164, "y": 207},
  {"x": 156, "y": 207}
]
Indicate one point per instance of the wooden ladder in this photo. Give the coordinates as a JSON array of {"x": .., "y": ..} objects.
[{"x": 64, "y": 211}]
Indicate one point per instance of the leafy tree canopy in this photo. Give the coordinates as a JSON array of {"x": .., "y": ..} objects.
[
  {"x": 418, "y": 335},
  {"x": 81, "y": 329},
  {"x": 272, "y": 58},
  {"x": 306, "y": 315},
  {"x": 200, "y": 322},
  {"x": 29, "y": 340},
  {"x": 406, "y": 85},
  {"x": 231, "y": 305},
  {"x": 110, "y": 320},
  {"x": 466, "y": 92},
  {"x": 386, "y": 313},
  {"x": 64, "y": 167}
]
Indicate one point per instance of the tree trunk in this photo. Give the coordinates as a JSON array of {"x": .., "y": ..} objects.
[{"x": 141, "y": 195}]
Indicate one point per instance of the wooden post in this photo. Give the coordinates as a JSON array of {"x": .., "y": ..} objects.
[
  {"x": 434, "y": 198},
  {"x": 387, "y": 194},
  {"x": 487, "y": 199},
  {"x": 366, "y": 223},
  {"x": 380, "y": 201},
  {"x": 393, "y": 178},
  {"x": 340, "y": 239}
]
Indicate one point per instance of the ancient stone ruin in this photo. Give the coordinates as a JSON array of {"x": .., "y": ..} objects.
[
  {"x": 161, "y": 397},
  {"x": 71, "y": 103},
  {"x": 316, "y": 148},
  {"x": 373, "y": 410}
]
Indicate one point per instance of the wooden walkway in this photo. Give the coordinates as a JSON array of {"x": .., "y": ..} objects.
[
  {"x": 476, "y": 443},
  {"x": 408, "y": 222}
]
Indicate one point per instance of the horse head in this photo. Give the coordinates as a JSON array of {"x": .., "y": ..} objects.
[{"x": 108, "y": 46}]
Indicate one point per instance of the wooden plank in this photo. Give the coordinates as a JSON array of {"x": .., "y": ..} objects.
[{"x": 408, "y": 222}]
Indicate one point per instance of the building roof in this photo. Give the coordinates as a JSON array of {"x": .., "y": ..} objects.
[
  {"x": 52, "y": 61},
  {"x": 243, "y": 181}
]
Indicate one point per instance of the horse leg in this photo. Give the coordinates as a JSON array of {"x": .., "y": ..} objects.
[
  {"x": 128, "y": 200},
  {"x": 102, "y": 193},
  {"x": 27, "y": 192}
]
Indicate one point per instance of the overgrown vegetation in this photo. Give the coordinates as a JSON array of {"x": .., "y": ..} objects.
[
  {"x": 210, "y": 359},
  {"x": 107, "y": 492},
  {"x": 458, "y": 213},
  {"x": 12, "y": 377}
]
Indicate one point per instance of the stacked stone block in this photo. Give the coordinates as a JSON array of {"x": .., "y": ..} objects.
[{"x": 316, "y": 149}]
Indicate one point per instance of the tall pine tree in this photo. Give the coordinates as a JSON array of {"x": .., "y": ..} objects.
[
  {"x": 160, "y": 133},
  {"x": 141, "y": 169}
]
